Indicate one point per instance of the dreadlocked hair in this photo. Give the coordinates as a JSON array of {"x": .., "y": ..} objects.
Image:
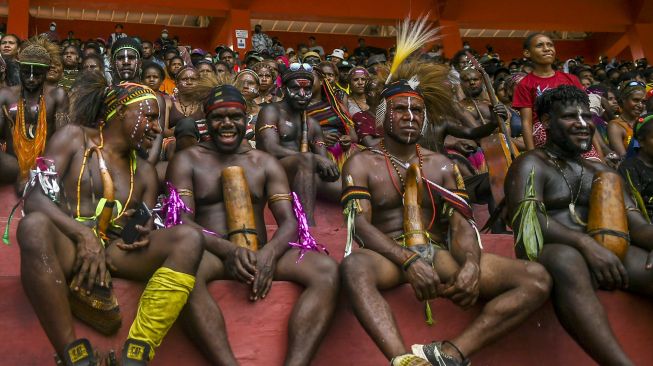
[
  {"x": 433, "y": 85},
  {"x": 39, "y": 49},
  {"x": 563, "y": 94},
  {"x": 200, "y": 91},
  {"x": 87, "y": 98}
]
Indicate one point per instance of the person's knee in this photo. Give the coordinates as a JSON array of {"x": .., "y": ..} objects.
[
  {"x": 353, "y": 270},
  {"x": 28, "y": 229},
  {"x": 189, "y": 241},
  {"x": 538, "y": 281},
  {"x": 563, "y": 263},
  {"x": 323, "y": 273}
]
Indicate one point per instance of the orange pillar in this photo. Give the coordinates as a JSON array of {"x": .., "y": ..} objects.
[
  {"x": 18, "y": 21},
  {"x": 451, "y": 40},
  {"x": 641, "y": 40},
  {"x": 232, "y": 30}
]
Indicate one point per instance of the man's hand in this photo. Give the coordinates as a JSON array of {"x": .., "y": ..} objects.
[
  {"x": 424, "y": 279},
  {"x": 265, "y": 266},
  {"x": 327, "y": 169},
  {"x": 465, "y": 147},
  {"x": 331, "y": 138},
  {"x": 142, "y": 241},
  {"x": 649, "y": 261},
  {"x": 605, "y": 266},
  {"x": 241, "y": 264},
  {"x": 90, "y": 262},
  {"x": 500, "y": 110},
  {"x": 345, "y": 142},
  {"x": 464, "y": 289}
]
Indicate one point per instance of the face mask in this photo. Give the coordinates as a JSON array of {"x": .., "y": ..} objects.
[
  {"x": 164, "y": 35},
  {"x": 52, "y": 28}
]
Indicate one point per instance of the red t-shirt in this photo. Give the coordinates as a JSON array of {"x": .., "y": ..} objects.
[{"x": 532, "y": 86}]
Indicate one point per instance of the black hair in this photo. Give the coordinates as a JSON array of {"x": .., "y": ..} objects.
[
  {"x": 206, "y": 62},
  {"x": 457, "y": 56},
  {"x": 178, "y": 57},
  {"x": 127, "y": 41},
  {"x": 312, "y": 37},
  {"x": 77, "y": 49},
  {"x": 119, "y": 25},
  {"x": 18, "y": 40},
  {"x": 87, "y": 98},
  {"x": 95, "y": 57},
  {"x": 529, "y": 39},
  {"x": 171, "y": 50},
  {"x": 154, "y": 65},
  {"x": 226, "y": 50},
  {"x": 148, "y": 42},
  {"x": 563, "y": 94},
  {"x": 220, "y": 62},
  {"x": 93, "y": 45}
]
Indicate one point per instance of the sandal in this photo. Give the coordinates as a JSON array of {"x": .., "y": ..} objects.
[
  {"x": 433, "y": 353},
  {"x": 78, "y": 353},
  {"x": 135, "y": 353},
  {"x": 409, "y": 360}
]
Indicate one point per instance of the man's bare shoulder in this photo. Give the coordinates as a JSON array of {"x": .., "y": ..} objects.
[
  {"x": 361, "y": 161},
  {"x": 9, "y": 93}
]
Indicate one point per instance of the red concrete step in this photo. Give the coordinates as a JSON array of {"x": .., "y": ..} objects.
[{"x": 257, "y": 331}]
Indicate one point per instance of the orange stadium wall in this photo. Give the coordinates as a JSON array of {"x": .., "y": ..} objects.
[
  {"x": 197, "y": 37},
  {"x": 329, "y": 41}
]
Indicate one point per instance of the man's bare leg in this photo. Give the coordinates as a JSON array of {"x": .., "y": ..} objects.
[
  {"x": 364, "y": 274},
  {"x": 47, "y": 258},
  {"x": 513, "y": 290},
  {"x": 8, "y": 169},
  {"x": 46, "y": 262},
  {"x": 577, "y": 306},
  {"x": 640, "y": 279},
  {"x": 202, "y": 318},
  {"x": 300, "y": 169},
  {"x": 313, "y": 311}
]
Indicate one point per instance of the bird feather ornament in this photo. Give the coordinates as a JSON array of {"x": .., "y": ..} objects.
[{"x": 411, "y": 36}]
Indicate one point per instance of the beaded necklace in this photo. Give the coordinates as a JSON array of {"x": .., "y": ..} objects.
[
  {"x": 389, "y": 162},
  {"x": 29, "y": 145},
  {"x": 132, "y": 170}
]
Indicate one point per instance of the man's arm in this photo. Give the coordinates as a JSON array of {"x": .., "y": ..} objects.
[
  {"x": 180, "y": 173},
  {"x": 316, "y": 137},
  {"x": 277, "y": 183},
  {"x": 470, "y": 133},
  {"x": 62, "y": 108},
  {"x": 464, "y": 245},
  {"x": 357, "y": 167},
  {"x": 267, "y": 135},
  {"x": 59, "y": 149}
]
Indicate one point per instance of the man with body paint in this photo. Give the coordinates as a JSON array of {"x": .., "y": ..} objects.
[
  {"x": 197, "y": 173},
  {"x": 126, "y": 67},
  {"x": 283, "y": 127},
  {"x": 67, "y": 249},
  {"x": 31, "y": 112},
  {"x": 451, "y": 264}
]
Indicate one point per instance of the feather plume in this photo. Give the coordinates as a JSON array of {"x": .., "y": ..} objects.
[{"x": 411, "y": 36}]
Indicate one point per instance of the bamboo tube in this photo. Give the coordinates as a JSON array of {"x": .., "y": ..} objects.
[
  {"x": 413, "y": 193},
  {"x": 607, "y": 222},
  {"x": 238, "y": 205}
]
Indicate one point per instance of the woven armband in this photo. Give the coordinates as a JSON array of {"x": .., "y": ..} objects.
[{"x": 354, "y": 192}]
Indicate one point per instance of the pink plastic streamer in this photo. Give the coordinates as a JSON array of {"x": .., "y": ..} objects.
[
  {"x": 174, "y": 207},
  {"x": 305, "y": 241}
]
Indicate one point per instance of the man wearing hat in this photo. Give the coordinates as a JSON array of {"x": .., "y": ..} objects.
[
  {"x": 31, "y": 111},
  {"x": 312, "y": 58},
  {"x": 196, "y": 172},
  {"x": 52, "y": 34},
  {"x": 336, "y": 56},
  {"x": 374, "y": 62},
  {"x": 283, "y": 130},
  {"x": 197, "y": 55}
]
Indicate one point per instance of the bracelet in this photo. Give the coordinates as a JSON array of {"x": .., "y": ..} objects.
[
  {"x": 279, "y": 197},
  {"x": 185, "y": 192},
  {"x": 408, "y": 262}
]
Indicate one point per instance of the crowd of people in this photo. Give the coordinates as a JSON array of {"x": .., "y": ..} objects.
[{"x": 123, "y": 154}]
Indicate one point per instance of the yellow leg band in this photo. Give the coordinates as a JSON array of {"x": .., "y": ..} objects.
[{"x": 164, "y": 297}]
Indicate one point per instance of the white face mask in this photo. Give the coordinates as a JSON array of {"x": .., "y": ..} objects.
[
  {"x": 164, "y": 35},
  {"x": 53, "y": 28}
]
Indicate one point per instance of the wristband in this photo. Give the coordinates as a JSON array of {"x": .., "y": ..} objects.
[{"x": 408, "y": 262}]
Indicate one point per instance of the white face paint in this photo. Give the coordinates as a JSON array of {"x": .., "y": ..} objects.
[
  {"x": 410, "y": 112},
  {"x": 31, "y": 71},
  {"x": 580, "y": 117}
]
